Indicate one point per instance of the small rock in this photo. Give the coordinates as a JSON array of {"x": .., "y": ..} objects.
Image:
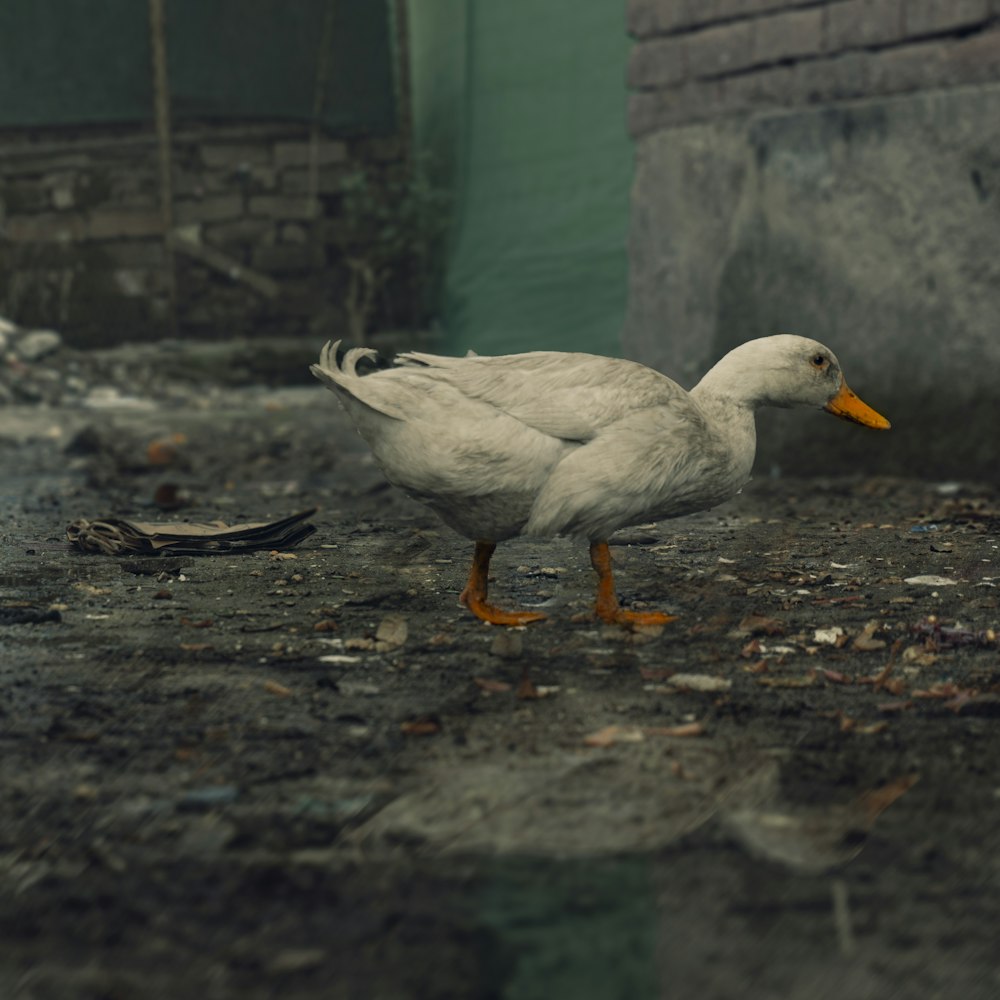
[
  {"x": 700, "y": 682},
  {"x": 829, "y": 636},
  {"x": 37, "y": 343},
  {"x": 295, "y": 960},
  {"x": 209, "y": 797},
  {"x": 391, "y": 633}
]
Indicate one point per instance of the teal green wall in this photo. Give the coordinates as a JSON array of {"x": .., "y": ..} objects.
[
  {"x": 523, "y": 102},
  {"x": 65, "y": 62}
]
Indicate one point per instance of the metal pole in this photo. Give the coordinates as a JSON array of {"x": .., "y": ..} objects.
[{"x": 161, "y": 104}]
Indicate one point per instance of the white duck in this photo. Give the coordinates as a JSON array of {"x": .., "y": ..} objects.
[{"x": 548, "y": 443}]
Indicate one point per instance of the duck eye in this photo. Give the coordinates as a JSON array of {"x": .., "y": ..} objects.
[{"x": 819, "y": 360}]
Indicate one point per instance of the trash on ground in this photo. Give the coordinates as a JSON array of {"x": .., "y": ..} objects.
[{"x": 115, "y": 536}]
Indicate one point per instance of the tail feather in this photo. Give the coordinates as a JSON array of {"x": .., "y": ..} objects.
[
  {"x": 420, "y": 359},
  {"x": 343, "y": 378}
]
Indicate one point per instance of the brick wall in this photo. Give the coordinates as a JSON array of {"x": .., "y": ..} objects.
[
  {"x": 82, "y": 250},
  {"x": 697, "y": 59}
]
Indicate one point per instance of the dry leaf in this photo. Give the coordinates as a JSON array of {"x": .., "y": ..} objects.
[
  {"x": 527, "y": 691},
  {"x": 610, "y": 735},
  {"x": 655, "y": 673},
  {"x": 788, "y": 682},
  {"x": 163, "y": 451},
  {"x": 864, "y": 641},
  {"x": 359, "y": 642},
  {"x": 918, "y": 656},
  {"x": 836, "y": 677},
  {"x": 492, "y": 686},
  {"x": 684, "y": 730},
  {"x": 899, "y": 705},
  {"x": 700, "y": 682},
  {"x": 872, "y": 728},
  {"x": 943, "y": 689},
  {"x": 973, "y": 703},
  {"x": 427, "y": 725},
  {"x": 204, "y": 623},
  {"x": 273, "y": 687},
  {"x": 761, "y": 625},
  {"x": 877, "y": 800}
]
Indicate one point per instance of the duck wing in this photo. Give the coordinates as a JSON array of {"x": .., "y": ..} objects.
[{"x": 564, "y": 395}]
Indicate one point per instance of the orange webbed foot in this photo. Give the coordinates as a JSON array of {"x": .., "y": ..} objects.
[
  {"x": 487, "y": 612},
  {"x": 474, "y": 595},
  {"x": 634, "y": 619},
  {"x": 607, "y": 608}
]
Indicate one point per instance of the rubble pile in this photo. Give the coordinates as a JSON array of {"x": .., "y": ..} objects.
[{"x": 37, "y": 367}]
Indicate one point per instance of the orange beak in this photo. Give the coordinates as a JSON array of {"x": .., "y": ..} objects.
[{"x": 848, "y": 406}]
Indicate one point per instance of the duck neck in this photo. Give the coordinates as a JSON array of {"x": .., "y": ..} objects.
[
  {"x": 726, "y": 384},
  {"x": 729, "y": 407}
]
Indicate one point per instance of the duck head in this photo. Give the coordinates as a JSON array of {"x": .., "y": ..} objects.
[{"x": 790, "y": 371}]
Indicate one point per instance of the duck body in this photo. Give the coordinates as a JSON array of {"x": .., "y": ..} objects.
[
  {"x": 545, "y": 443},
  {"x": 550, "y": 443}
]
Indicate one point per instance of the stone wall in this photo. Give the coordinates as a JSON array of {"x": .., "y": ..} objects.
[
  {"x": 697, "y": 59},
  {"x": 259, "y": 248},
  {"x": 829, "y": 169}
]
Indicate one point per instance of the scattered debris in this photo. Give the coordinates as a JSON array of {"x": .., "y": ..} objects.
[
  {"x": 699, "y": 682},
  {"x": 491, "y": 686},
  {"x": 865, "y": 641},
  {"x": 424, "y": 725},
  {"x": 115, "y": 536},
  {"x": 290, "y": 961},
  {"x": 527, "y": 690},
  {"x": 956, "y": 635},
  {"x": 788, "y": 682},
  {"x": 164, "y": 451},
  {"x": 760, "y": 625},
  {"x": 919, "y": 656},
  {"x": 391, "y": 633},
  {"x": 209, "y": 797},
  {"x": 941, "y": 690},
  {"x": 834, "y": 636},
  {"x": 610, "y": 735},
  {"x": 930, "y": 580},
  {"x": 684, "y": 730}
]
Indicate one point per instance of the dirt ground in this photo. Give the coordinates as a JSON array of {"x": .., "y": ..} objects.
[{"x": 313, "y": 774}]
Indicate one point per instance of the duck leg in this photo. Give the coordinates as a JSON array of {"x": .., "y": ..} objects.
[
  {"x": 608, "y": 609},
  {"x": 474, "y": 595}
]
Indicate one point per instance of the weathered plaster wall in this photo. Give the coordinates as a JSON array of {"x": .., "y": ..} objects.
[{"x": 871, "y": 223}]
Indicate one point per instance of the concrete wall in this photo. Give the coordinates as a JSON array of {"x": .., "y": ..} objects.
[
  {"x": 830, "y": 169},
  {"x": 81, "y": 245}
]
